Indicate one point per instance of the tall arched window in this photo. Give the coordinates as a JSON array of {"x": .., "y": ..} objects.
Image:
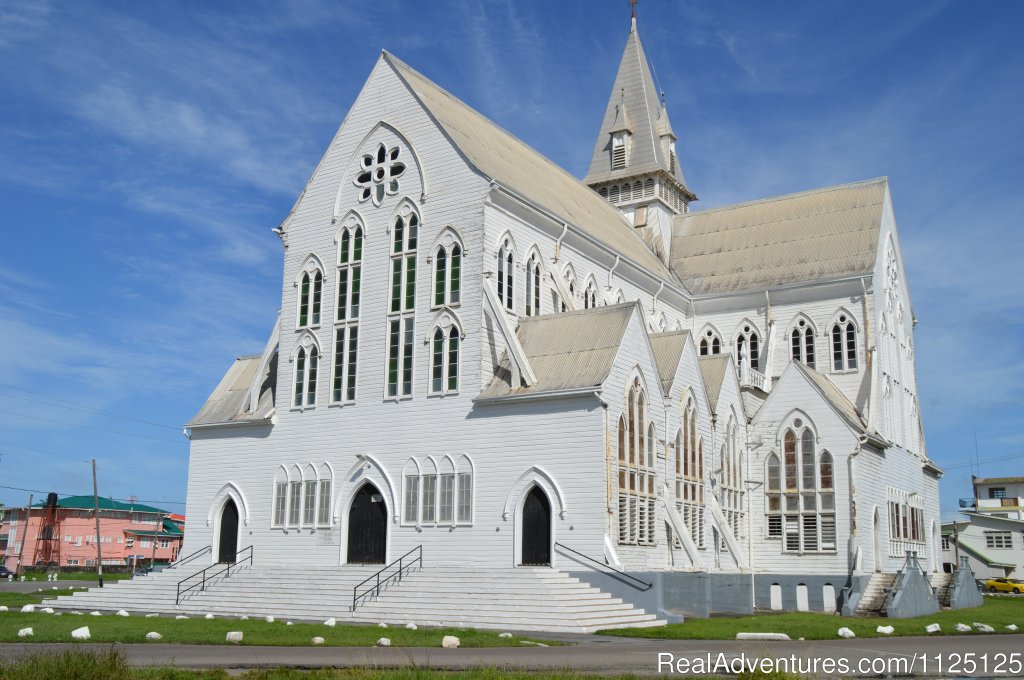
[
  {"x": 326, "y": 482},
  {"x": 447, "y": 270},
  {"x": 689, "y": 480},
  {"x": 636, "y": 471},
  {"x": 802, "y": 342},
  {"x": 802, "y": 512},
  {"x": 844, "y": 344},
  {"x": 569, "y": 275},
  {"x": 444, "y": 359},
  {"x": 310, "y": 284},
  {"x": 590, "y": 294},
  {"x": 506, "y": 275},
  {"x": 306, "y": 360},
  {"x": 731, "y": 487},
  {"x": 346, "y": 326},
  {"x": 748, "y": 347},
  {"x": 533, "y": 285},
  {"x": 402, "y": 305},
  {"x": 277, "y": 518},
  {"x": 710, "y": 343}
]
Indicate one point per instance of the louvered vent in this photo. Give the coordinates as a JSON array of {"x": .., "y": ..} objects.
[{"x": 618, "y": 157}]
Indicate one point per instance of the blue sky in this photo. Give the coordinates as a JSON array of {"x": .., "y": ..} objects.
[{"x": 147, "y": 149}]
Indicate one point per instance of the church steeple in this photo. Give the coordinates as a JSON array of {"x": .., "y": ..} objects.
[{"x": 636, "y": 141}]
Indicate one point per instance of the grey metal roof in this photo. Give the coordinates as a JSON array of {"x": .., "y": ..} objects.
[
  {"x": 713, "y": 369},
  {"x": 228, "y": 402},
  {"x": 814, "y": 235},
  {"x": 634, "y": 93},
  {"x": 505, "y": 159},
  {"x": 668, "y": 348},
  {"x": 568, "y": 351},
  {"x": 835, "y": 396}
]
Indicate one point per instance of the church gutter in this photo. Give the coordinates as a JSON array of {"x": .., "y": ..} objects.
[{"x": 553, "y": 394}]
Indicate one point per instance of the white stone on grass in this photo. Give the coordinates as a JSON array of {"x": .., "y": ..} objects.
[
  {"x": 208, "y": 616},
  {"x": 1012, "y": 626},
  {"x": 152, "y": 616},
  {"x": 384, "y": 642},
  {"x": 932, "y": 628},
  {"x": 81, "y": 633},
  {"x": 963, "y": 628},
  {"x": 330, "y": 622},
  {"x": 269, "y": 619},
  {"x": 450, "y": 642},
  {"x": 382, "y": 625},
  {"x": 885, "y": 630},
  {"x": 288, "y": 623},
  {"x": 121, "y": 612},
  {"x": 3, "y": 608},
  {"x": 845, "y": 632},
  {"x": 95, "y": 614},
  {"x": 411, "y": 626},
  {"x": 243, "y": 617},
  {"x": 504, "y": 635},
  {"x": 28, "y": 609},
  {"x": 46, "y": 610},
  {"x": 181, "y": 617},
  {"x": 984, "y": 628},
  {"x": 26, "y": 632},
  {"x": 234, "y": 636},
  {"x": 762, "y": 636},
  {"x": 153, "y": 635},
  {"x": 318, "y": 640}
]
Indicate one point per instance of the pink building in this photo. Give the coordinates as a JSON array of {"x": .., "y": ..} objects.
[{"x": 62, "y": 532}]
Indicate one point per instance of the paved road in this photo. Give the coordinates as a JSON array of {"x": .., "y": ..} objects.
[{"x": 602, "y": 654}]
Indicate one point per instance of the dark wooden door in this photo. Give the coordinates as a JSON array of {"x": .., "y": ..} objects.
[
  {"x": 536, "y": 528},
  {"x": 227, "y": 546},
  {"x": 367, "y": 527}
]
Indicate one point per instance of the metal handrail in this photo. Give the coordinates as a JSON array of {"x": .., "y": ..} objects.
[
  {"x": 205, "y": 576},
  {"x": 397, "y": 576},
  {"x": 646, "y": 586},
  {"x": 185, "y": 560}
]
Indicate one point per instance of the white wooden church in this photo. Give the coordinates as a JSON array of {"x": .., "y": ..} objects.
[{"x": 507, "y": 370}]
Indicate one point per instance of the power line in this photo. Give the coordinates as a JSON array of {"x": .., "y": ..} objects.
[
  {"x": 45, "y": 453},
  {"x": 88, "y": 427},
  {"x": 89, "y": 409},
  {"x": 979, "y": 462},
  {"x": 61, "y": 493}
]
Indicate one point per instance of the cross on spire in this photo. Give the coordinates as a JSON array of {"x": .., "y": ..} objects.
[{"x": 632, "y": 8}]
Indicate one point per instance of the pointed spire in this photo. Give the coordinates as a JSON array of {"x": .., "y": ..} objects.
[{"x": 636, "y": 108}]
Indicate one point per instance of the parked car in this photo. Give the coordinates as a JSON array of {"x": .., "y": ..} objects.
[
  {"x": 5, "y": 572},
  {"x": 1004, "y": 585}
]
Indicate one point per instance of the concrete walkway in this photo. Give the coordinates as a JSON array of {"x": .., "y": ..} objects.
[{"x": 598, "y": 654}]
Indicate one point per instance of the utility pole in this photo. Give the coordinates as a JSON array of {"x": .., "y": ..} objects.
[
  {"x": 96, "y": 509},
  {"x": 24, "y": 535}
]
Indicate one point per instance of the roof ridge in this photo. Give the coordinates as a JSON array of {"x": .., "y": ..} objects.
[
  {"x": 783, "y": 197},
  {"x": 618, "y": 306}
]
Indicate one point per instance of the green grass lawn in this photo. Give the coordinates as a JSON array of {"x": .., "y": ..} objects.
[
  {"x": 997, "y": 612},
  {"x": 40, "y": 577},
  {"x": 200, "y": 631}
]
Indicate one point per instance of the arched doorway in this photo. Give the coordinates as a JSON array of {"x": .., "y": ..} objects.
[
  {"x": 536, "y": 528},
  {"x": 367, "y": 527},
  {"x": 227, "y": 540}
]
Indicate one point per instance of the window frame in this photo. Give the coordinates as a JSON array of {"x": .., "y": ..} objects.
[
  {"x": 306, "y": 356},
  {"x": 844, "y": 351},
  {"x": 401, "y": 302}
]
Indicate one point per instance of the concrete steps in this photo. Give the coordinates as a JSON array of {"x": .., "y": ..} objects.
[
  {"x": 537, "y": 599},
  {"x": 872, "y": 602},
  {"x": 943, "y": 585}
]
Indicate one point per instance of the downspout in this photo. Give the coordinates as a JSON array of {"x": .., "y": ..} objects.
[
  {"x": 870, "y": 350},
  {"x": 851, "y": 541},
  {"x": 558, "y": 243},
  {"x": 769, "y": 326},
  {"x": 654, "y": 302},
  {"x": 611, "y": 272}
]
